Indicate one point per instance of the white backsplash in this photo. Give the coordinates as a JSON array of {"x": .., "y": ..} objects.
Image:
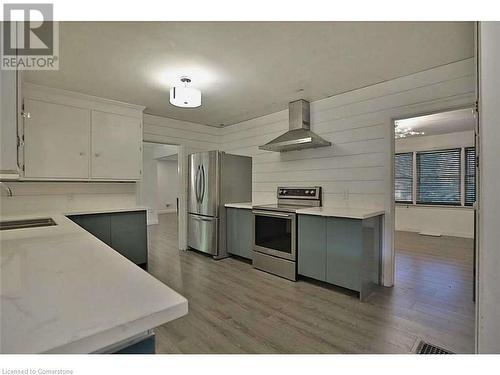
[{"x": 40, "y": 197}]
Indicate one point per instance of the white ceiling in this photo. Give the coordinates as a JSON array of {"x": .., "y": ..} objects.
[
  {"x": 245, "y": 69},
  {"x": 441, "y": 123}
]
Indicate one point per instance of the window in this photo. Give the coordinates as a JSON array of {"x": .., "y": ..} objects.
[
  {"x": 403, "y": 173},
  {"x": 438, "y": 177},
  {"x": 470, "y": 176}
]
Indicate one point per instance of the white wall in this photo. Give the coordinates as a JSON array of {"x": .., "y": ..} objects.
[
  {"x": 448, "y": 221},
  {"x": 148, "y": 187},
  {"x": 435, "y": 142},
  {"x": 194, "y": 136},
  {"x": 44, "y": 197},
  {"x": 357, "y": 170},
  {"x": 168, "y": 186},
  {"x": 488, "y": 312}
]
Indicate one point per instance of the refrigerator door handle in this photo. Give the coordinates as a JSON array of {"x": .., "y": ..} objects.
[
  {"x": 197, "y": 185},
  {"x": 200, "y": 218},
  {"x": 203, "y": 183}
]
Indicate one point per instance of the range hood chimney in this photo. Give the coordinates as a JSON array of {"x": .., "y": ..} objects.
[{"x": 299, "y": 136}]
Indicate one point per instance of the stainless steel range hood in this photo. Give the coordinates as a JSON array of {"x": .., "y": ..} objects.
[{"x": 299, "y": 136}]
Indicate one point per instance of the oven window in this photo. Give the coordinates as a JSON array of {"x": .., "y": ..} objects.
[{"x": 273, "y": 233}]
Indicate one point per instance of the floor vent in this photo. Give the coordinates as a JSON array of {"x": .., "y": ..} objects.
[{"x": 426, "y": 348}]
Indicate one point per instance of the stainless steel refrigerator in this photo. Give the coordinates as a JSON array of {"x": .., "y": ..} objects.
[{"x": 215, "y": 178}]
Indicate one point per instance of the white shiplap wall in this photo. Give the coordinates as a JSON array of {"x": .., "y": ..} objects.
[
  {"x": 357, "y": 170},
  {"x": 194, "y": 136},
  {"x": 354, "y": 172}
]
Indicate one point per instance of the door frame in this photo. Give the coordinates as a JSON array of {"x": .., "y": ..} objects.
[{"x": 391, "y": 263}]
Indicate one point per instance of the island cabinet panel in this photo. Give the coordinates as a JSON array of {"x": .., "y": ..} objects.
[
  {"x": 129, "y": 235},
  {"x": 312, "y": 246},
  {"x": 98, "y": 225},
  {"x": 239, "y": 232},
  {"x": 146, "y": 346},
  {"x": 344, "y": 252},
  {"x": 125, "y": 232}
]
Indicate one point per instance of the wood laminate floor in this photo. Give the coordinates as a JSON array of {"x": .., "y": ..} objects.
[{"x": 234, "y": 308}]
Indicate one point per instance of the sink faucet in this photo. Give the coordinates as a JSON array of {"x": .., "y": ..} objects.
[{"x": 7, "y": 188}]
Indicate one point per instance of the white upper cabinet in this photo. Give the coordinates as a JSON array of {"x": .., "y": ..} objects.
[
  {"x": 71, "y": 136},
  {"x": 57, "y": 141},
  {"x": 116, "y": 146}
]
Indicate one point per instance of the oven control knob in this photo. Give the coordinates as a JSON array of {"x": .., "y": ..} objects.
[{"x": 283, "y": 191}]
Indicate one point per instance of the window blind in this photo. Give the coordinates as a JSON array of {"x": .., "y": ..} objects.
[
  {"x": 438, "y": 177},
  {"x": 403, "y": 177},
  {"x": 470, "y": 176}
]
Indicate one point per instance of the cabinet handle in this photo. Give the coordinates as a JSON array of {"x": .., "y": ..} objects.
[
  {"x": 97, "y": 154},
  {"x": 82, "y": 153}
]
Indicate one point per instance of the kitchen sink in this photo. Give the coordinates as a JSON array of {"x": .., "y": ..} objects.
[{"x": 28, "y": 223}]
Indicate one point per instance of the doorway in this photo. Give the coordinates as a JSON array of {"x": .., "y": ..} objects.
[
  {"x": 159, "y": 189},
  {"x": 434, "y": 196}
]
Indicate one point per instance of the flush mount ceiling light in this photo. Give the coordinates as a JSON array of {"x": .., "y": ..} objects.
[
  {"x": 184, "y": 96},
  {"x": 400, "y": 132}
]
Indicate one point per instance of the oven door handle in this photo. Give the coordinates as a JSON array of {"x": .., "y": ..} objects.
[{"x": 272, "y": 214}]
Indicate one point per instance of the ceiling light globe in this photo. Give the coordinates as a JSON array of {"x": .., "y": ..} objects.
[{"x": 185, "y": 97}]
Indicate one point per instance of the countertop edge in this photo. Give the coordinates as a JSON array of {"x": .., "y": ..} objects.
[
  {"x": 341, "y": 215},
  {"x": 244, "y": 205},
  {"x": 122, "y": 332},
  {"x": 105, "y": 211}
]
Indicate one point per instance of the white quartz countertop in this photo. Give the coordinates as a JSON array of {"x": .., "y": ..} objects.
[
  {"x": 246, "y": 205},
  {"x": 65, "y": 291},
  {"x": 350, "y": 213}
]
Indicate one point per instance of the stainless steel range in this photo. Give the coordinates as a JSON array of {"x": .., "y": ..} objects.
[{"x": 275, "y": 230}]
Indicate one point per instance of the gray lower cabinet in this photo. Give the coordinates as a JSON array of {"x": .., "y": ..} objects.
[
  {"x": 129, "y": 235},
  {"x": 97, "y": 224},
  {"x": 312, "y": 246},
  {"x": 344, "y": 252},
  {"x": 239, "y": 232},
  {"x": 340, "y": 251},
  {"x": 145, "y": 346},
  {"x": 125, "y": 232}
]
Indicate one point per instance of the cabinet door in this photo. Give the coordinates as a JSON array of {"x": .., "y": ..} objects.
[
  {"x": 344, "y": 252},
  {"x": 129, "y": 235},
  {"x": 8, "y": 123},
  {"x": 116, "y": 146},
  {"x": 312, "y": 246},
  {"x": 56, "y": 141},
  {"x": 245, "y": 232},
  {"x": 232, "y": 242},
  {"x": 98, "y": 225}
]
